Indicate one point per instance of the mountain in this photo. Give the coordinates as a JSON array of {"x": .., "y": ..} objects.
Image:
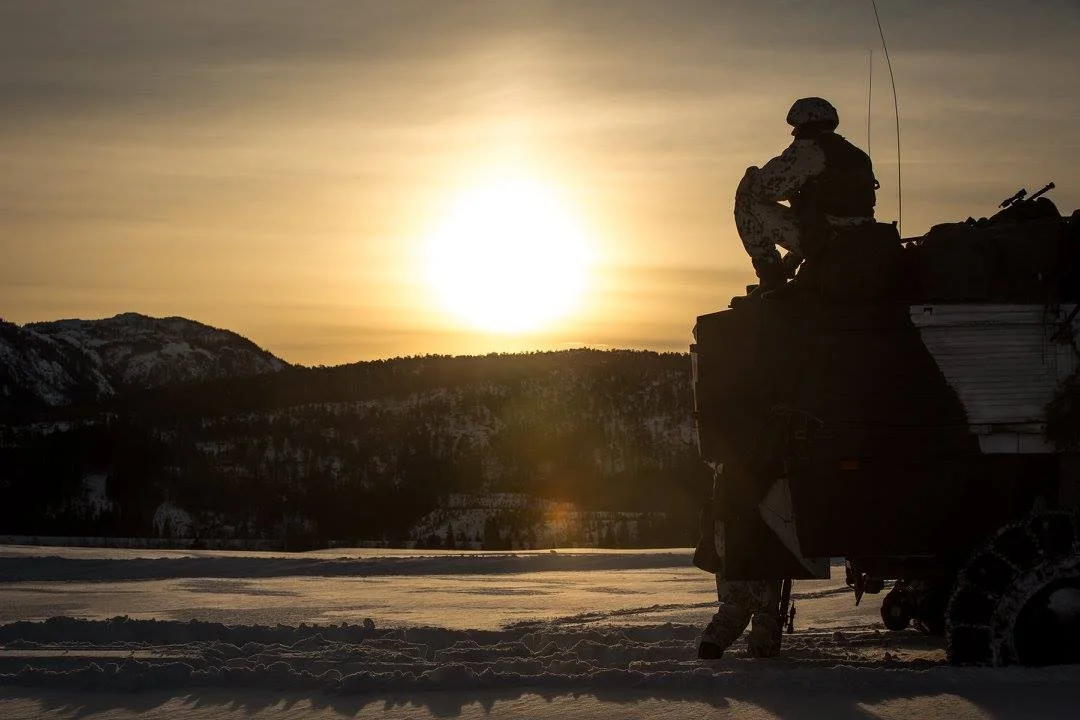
[
  {"x": 84, "y": 361},
  {"x": 36, "y": 369},
  {"x": 582, "y": 446}
]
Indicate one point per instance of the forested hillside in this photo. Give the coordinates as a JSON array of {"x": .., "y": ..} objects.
[{"x": 372, "y": 451}]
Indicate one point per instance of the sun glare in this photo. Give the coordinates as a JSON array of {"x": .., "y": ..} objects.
[{"x": 508, "y": 257}]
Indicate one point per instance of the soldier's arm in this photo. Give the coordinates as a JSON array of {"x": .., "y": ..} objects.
[{"x": 783, "y": 176}]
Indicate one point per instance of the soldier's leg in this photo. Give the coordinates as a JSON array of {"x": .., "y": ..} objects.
[
  {"x": 766, "y": 628},
  {"x": 736, "y": 604},
  {"x": 763, "y": 226}
]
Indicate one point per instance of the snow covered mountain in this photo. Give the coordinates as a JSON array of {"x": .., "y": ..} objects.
[
  {"x": 75, "y": 361},
  {"x": 36, "y": 369}
]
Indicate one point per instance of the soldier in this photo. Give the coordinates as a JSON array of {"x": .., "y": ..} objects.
[
  {"x": 740, "y": 602},
  {"x": 828, "y": 182}
]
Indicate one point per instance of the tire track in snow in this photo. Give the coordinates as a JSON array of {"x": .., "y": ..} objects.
[{"x": 134, "y": 655}]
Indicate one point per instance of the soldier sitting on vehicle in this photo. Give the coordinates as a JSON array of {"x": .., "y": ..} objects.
[{"x": 828, "y": 182}]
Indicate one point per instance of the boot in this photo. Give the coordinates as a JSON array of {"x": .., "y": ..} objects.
[
  {"x": 772, "y": 276},
  {"x": 721, "y": 631},
  {"x": 764, "y": 637},
  {"x": 807, "y": 283},
  {"x": 771, "y": 272},
  {"x": 709, "y": 651}
]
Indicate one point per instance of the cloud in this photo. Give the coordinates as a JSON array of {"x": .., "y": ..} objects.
[{"x": 273, "y": 150}]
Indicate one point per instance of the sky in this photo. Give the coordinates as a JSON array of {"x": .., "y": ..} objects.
[{"x": 284, "y": 168}]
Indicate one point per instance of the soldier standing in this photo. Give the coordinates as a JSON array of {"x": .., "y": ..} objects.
[{"x": 741, "y": 602}]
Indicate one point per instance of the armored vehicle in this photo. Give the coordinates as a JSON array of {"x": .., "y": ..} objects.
[{"x": 913, "y": 406}]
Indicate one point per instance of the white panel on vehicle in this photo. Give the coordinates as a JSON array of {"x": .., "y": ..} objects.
[
  {"x": 1015, "y": 443},
  {"x": 777, "y": 512},
  {"x": 1002, "y": 360}
]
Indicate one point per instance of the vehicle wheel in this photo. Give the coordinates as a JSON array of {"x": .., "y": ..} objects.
[
  {"x": 1011, "y": 604},
  {"x": 930, "y": 610},
  {"x": 895, "y": 610}
]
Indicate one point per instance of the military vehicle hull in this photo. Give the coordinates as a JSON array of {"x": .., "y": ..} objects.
[{"x": 906, "y": 432}]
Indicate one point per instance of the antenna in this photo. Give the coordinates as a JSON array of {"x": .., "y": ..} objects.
[
  {"x": 869, "y": 100},
  {"x": 896, "y": 109}
]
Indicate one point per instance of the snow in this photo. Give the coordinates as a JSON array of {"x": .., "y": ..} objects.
[
  {"x": 172, "y": 521},
  {"x": 95, "y": 494},
  {"x": 552, "y": 523},
  {"x": 425, "y": 634},
  {"x": 31, "y": 360},
  {"x": 125, "y": 352}
]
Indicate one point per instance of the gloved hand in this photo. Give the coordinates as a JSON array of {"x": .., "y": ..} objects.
[
  {"x": 791, "y": 263},
  {"x": 770, "y": 272}
]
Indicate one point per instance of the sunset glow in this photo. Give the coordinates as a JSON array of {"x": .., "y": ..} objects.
[
  {"x": 375, "y": 179},
  {"x": 508, "y": 257}
]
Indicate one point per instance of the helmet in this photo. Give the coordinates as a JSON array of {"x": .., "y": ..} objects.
[{"x": 812, "y": 110}]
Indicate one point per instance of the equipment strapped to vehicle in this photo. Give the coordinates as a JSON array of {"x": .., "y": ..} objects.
[{"x": 912, "y": 405}]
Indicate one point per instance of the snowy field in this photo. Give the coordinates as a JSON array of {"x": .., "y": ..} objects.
[{"x": 108, "y": 634}]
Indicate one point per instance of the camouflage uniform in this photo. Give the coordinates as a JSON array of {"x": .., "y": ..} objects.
[
  {"x": 762, "y": 222},
  {"x": 740, "y": 601},
  {"x": 828, "y": 182},
  {"x": 743, "y": 603}
]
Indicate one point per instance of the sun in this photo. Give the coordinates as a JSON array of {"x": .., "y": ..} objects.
[{"x": 508, "y": 257}]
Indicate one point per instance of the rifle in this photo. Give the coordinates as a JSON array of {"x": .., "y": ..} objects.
[
  {"x": 787, "y": 608},
  {"x": 1018, "y": 203}
]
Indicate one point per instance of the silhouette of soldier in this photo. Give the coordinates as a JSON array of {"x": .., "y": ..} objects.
[
  {"x": 827, "y": 182},
  {"x": 741, "y": 602}
]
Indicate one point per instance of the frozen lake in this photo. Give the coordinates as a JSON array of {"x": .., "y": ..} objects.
[
  {"x": 423, "y": 634},
  {"x": 394, "y": 588}
]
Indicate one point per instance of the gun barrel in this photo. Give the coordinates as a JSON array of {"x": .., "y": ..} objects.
[{"x": 1045, "y": 189}]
